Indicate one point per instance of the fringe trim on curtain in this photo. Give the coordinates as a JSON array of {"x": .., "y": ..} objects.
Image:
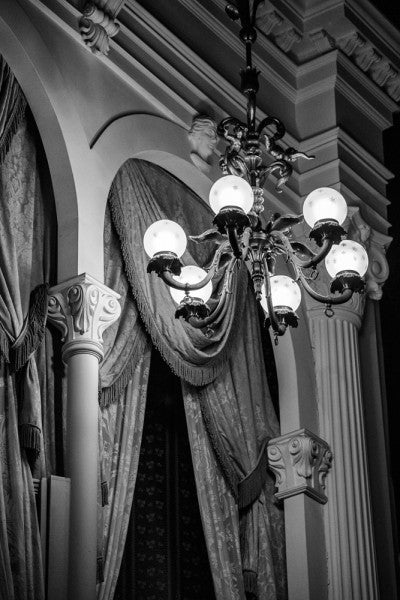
[
  {"x": 104, "y": 493},
  {"x": 111, "y": 394},
  {"x": 18, "y": 353},
  {"x": 221, "y": 454},
  {"x": 30, "y": 438},
  {"x": 33, "y": 330},
  {"x": 4, "y": 344},
  {"x": 250, "y": 585},
  {"x": 195, "y": 375},
  {"x": 13, "y": 123},
  {"x": 250, "y": 488},
  {"x": 100, "y": 569}
]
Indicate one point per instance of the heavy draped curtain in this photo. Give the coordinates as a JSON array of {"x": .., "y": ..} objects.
[
  {"x": 25, "y": 223},
  {"x": 228, "y": 406}
]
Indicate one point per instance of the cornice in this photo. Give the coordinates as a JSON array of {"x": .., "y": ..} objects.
[
  {"x": 155, "y": 63},
  {"x": 377, "y": 53},
  {"x": 169, "y": 103},
  {"x": 378, "y": 106},
  {"x": 371, "y": 62},
  {"x": 300, "y": 19},
  {"x": 188, "y": 60},
  {"x": 222, "y": 28},
  {"x": 376, "y": 27}
]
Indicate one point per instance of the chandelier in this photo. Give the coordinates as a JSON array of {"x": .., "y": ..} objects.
[{"x": 252, "y": 154}]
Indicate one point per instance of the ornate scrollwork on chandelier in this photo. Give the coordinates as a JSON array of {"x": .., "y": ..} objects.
[{"x": 252, "y": 155}]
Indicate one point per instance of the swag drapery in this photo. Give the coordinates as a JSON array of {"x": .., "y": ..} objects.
[
  {"x": 24, "y": 271},
  {"x": 228, "y": 407}
]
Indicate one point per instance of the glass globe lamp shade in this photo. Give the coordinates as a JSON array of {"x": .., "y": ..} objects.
[
  {"x": 324, "y": 204},
  {"x": 231, "y": 190},
  {"x": 164, "y": 236},
  {"x": 347, "y": 256},
  {"x": 192, "y": 274},
  {"x": 284, "y": 292}
]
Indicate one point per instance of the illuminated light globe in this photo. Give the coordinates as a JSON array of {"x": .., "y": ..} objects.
[
  {"x": 231, "y": 191},
  {"x": 347, "y": 256},
  {"x": 164, "y": 236},
  {"x": 324, "y": 204},
  {"x": 284, "y": 293},
  {"x": 191, "y": 274}
]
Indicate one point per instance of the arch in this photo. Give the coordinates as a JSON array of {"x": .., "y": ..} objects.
[
  {"x": 64, "y": 142},
  {"x": 156, "y": 140}
]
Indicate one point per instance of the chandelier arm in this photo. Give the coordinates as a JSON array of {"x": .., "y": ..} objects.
[
  {"x": 167, "y": 277},
  {"x": 292, "y": 256},
  {"x": 278, "y": 328},
  {"x": 317, "y": 258},
  {"x": 201, "y": 323},
  {"x": 329, "y": 299},
  {"x": 280, "y": 130},
  {"x": 234, "y": 242}
]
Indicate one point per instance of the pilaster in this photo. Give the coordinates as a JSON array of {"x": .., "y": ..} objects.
[{"x": 348, "y": 519}]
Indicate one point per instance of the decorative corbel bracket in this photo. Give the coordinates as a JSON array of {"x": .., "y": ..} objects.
[
  {"x": 98, "y": 24},
  {"x": 300, "y": 461},
  {"x": 82, "y": 308}
]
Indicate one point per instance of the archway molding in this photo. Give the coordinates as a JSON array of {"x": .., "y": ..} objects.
[{"x": 63, "y": 138}]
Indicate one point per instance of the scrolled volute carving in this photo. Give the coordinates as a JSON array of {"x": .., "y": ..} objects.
[
  {"x": 376, "y": 244},
  {"x": 324, "y": 467},
  {"x": 276, "y": 463},
  {"x": 304, "y": 451},
  {"x": 300, "y": 462},
  {"x": 56, "y": 314},
  {"x": 98, "y": 24},
  {"x": 82, "y": 308}
]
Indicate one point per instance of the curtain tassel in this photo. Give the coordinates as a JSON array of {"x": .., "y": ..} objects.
[
  {"x": 100, "y": 570},
  {"x": 104, "y": 493},
  {"x": 30, "y": 438},
  {"x": 250, "y": 585},
  {"x": 250, "y": 488}
]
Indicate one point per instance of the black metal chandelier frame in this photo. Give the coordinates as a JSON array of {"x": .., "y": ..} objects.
[{"x": 243, "y": 236}]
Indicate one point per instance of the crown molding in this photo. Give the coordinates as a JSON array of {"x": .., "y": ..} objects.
[
  {"x": 376, "y": 27},
  {"x": 173, "y": 79}
]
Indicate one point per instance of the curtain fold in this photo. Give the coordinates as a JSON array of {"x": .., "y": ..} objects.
[
  {"x": 238, "y": 419},
  {"x": 123, "y": 388},
  {"x": 121, "y": 424},
  {"x": 227, "y": 402},
  {"x": 192, "y": 355},
  {"x": 12, "y": 107},
  {"x": 24, "y": 271}
]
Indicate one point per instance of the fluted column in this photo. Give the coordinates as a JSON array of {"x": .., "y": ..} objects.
[
  {"x": 349, "y": 529},
  {"x": 82, "y": 308},
  {"x": 347, "y": 518}
]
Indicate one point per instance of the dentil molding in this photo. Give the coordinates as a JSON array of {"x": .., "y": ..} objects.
[
  {"x": 82, "y": 308},
  {"x": 300, "y": 461}
]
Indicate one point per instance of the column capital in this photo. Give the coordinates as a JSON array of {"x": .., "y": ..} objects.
[
  {"x": 300, "y": 461},
  {"x": 82, "y": 308},
  {"x": 376, "y": 244}
]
